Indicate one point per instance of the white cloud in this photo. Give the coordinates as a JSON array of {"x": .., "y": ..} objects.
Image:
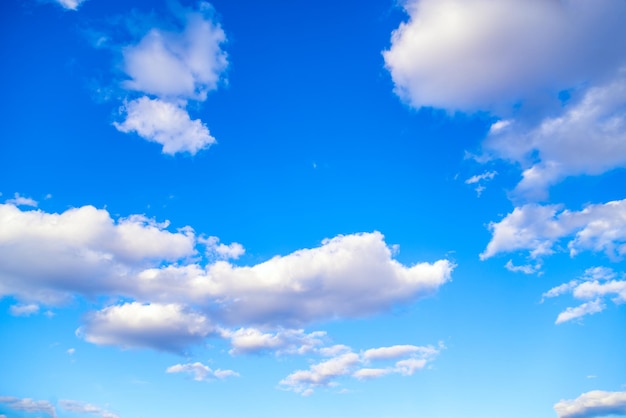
[
  {"x": 526, "y": 268},
  {"x": 165, "y": 123},
  {"x": 19, "y": 200},
  {"x": 508, "y": 50},
  {"x": 593, "y": 404},
  {"x": 480, "y": 179},
  {"x": 588, "y": 137},
  {"x": 587, "y": 308},
  {"x": 71, "y": 351},
  {"x": 173, "y": 67},
  {"x": 85, "y": 252},
  {"x": 537, "y": 229},
  {"x": 70, "y": 4},
  {"x": 218, "y": 250},
  {"x": 595, "y": 286},
  {"x": 28, "y": 405},
  {"x": 183, "y": 64},
  {"x": 252, "y": 340},
  {"x": 134, "y": 325},
  {"x": 24, "y": 310},
  {"x": 397, "y": 351},
  {"x": 85, "y": 408},
  {"x": 201, "y": 372},
  {"x": 82, "y": 250},
  {"x": 347, "y": 363}
]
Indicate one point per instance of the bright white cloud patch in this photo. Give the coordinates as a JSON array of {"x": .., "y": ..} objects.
[
  {"x": 70, "y": 4},
  {"x": 507, "y": 50},
  {"x": 597, "y": 285},
  {"x": 28, "y": 405},
  {"x": 165, "y": 123},
  {"x": 252, "y": 340},
  {"x": 344, "y": 362},
  {"x": 85, "y": 408},
  {"x": 174, "y": 67},
  {"x": 536, "y": 229},
  {"x": 588, "y": 137},
  {"x": 84, "y": 251},
  {"x": 24, "y": 310},
  {"x": 593, "y": 404},
  {"x": 201, "y": 372},
  {"x": 134, "y": 325},
  {"x": 19, "y": 200},
  {"x": 81, "y": 250}
]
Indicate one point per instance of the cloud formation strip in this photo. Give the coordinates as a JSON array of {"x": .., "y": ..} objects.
[{"x": 593, "y": 404}]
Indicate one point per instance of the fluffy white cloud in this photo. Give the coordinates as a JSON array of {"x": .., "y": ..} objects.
[
  {"x": 174, "y": 66},
  {"x": 183, "y": 64},
  {"x": 19, "y": 200},
  {"x": 24, "y": 310},
  {"x": 85, "y": 408},
  {"x": 588, "y": 137},
  {"x": 587, "y": 308},
  {"x": 348, "y": 276},
  {"x": 252, "y": 340},
  {"x": 200, "y": 371},
  {"x": 536, "y": 229},
  {"x": 82, "y": 250},
  {"x": 526, "y": 268},
  {"x": 594, "y": 286},
  {"x": 134, "y": 325},
  {"x": 28, "y": 405},
  {"x": 478, "y": 54},
  {"x": 593, "y": 404},
  {"x": 165, "y": 123},
  {"x": 85, "y": 252},
  {"x": 70, "y": 4},
  {"x": 222, "y": 251},
  {"x": 347, "y": 363}
]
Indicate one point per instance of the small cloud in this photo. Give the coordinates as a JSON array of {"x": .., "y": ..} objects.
[
  {"x": 526, "y": 268},
  {"x": 201, "y": 372},
  {"x": 588, "y": 308},
  {"x": 71, "y": 351},
  {"x": 22, "y": 201},
  {"x": 479, "y": 179},
  {"x": 24, "y": 310},
  {"x": 70, "y": 4}
]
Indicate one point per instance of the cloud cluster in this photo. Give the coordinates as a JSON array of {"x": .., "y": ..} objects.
[
  {"x": 170, "y": 67},
  {"x": 177, "y": 300},
  {"x": 343, "y": 362},
  {"x": 85, "y": 408},
  {"x": 593, "y": 404},
  {"x": 29, "y": 405},
  {"x": 538, "y": 228},
  {"x": 594, "y": 287},
  {"x": 201, "y": 372},
  {"x": 587, "y": 137},
  {"x": 506, "y": 50}
]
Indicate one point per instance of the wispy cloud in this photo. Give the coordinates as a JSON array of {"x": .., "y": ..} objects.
[{"x": 593, "y": 404}]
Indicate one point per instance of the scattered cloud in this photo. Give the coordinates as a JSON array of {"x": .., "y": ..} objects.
[
  {"x": 85, "y": 408},
  {"x": 19, "y": 200},
  {"x": 587, "y": 137},
  {"x": 217, "y": 250},
  {"x": 24, "y": 310},
  {"x": 593, "y": 404},
  {"x": 480, "y": 179},
  {"x": 28, "y": 405},
  {"x": 71, "y": 351},
  {"x": 173, "y": 67},
  {"x": 77, "y": 244},
  {"x": 345, "y": 362},
  {"x": 134, "y": 325},
  {"x": 165, "y": 123},
  {"x": 85, "y": 252},
  {"x": 594, "y": 287},
  {"x": 509, "y": 50},
  {"x": 526, "y": 268},
  {"x": 70, "y": 4},
  {"x": 201, "y": 372},
  {"x": 286, "y": 341},
  {"x": 537, "y": 229}
]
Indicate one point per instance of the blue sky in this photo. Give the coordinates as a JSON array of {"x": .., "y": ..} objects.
[{"x": 239, "y": 209}]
